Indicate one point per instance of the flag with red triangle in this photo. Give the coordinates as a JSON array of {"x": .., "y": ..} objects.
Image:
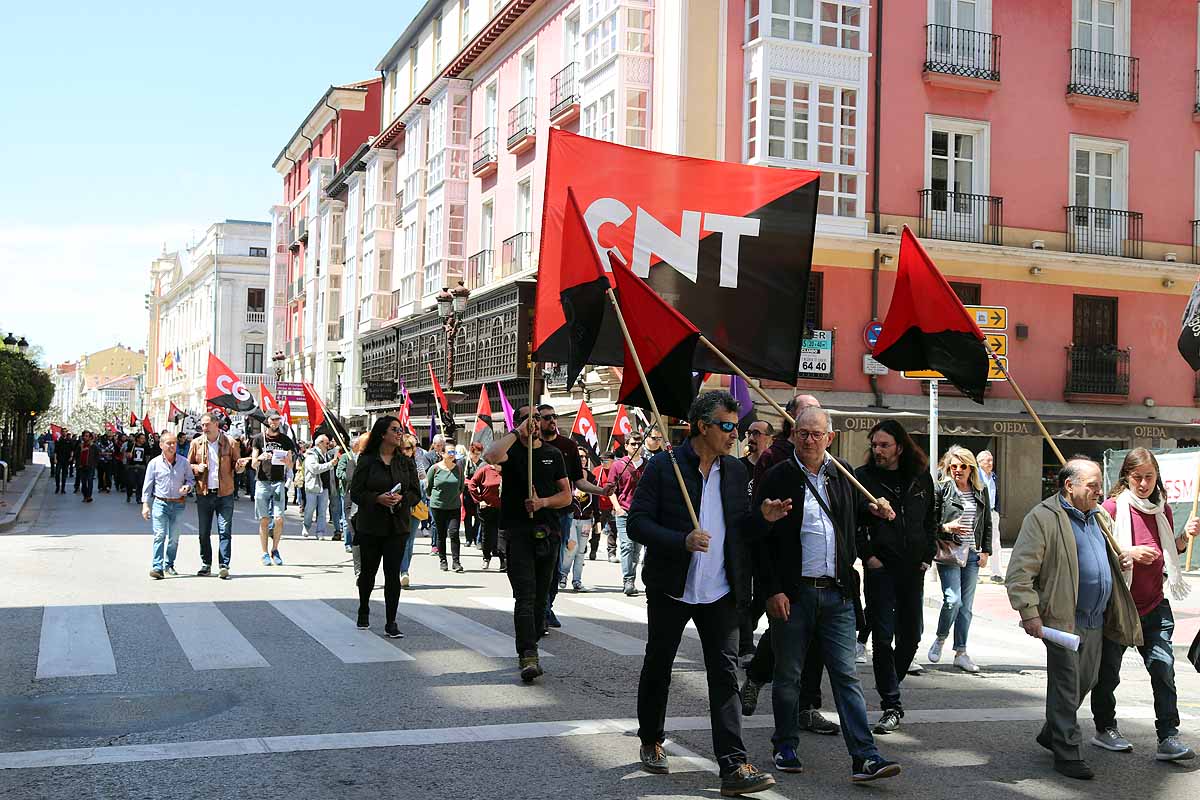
[
  {"x": 225, "y": 388},
  {"x": 405, "y": 410},
  {"x": 448, "y": 425},
  {"x": 584, "y": 432},
  {"x": 285, "y": 411},
  {"x": 147, "y": 426},
  {"x": 927, "y": 326},
  {"x": 622, "y": 427},
  {"x": 320, "y": 421},
  {"x": 483, "y": 432},
  {"x": 175, "y": 414},
  {"x": 266, "y": 400},
  {"x": 133, "y": 420}
]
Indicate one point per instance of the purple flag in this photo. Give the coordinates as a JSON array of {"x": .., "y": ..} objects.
[
  {"x": 741, "y": 393},
  {"x": 507, "y": 406}
]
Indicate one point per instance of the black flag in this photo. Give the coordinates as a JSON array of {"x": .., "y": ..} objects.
[{"x": 1189, "y": 337}]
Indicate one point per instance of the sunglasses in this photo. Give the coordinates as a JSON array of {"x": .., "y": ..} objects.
[
  {"x": 395, "y": 430},
  {"x": 726, "y": 427},
  {"x": 756, "y": 433},
  {"x": 548, "y": 417}
]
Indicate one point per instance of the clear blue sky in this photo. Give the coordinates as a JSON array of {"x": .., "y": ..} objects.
[{"x": 124, "y": 126}]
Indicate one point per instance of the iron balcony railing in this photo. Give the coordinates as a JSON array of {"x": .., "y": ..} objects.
[
  {"x": 961, "y": 217},
  {"x": 520, "y": 121},
  {"x": 483, "y": 149},
  {"x": 1105, "y": 75},
  {"x": 564, "y": 90},
  {"x": 479, "y": 270},
  {"x": 515, "y": 253},
  {"x": 961, "y": 52},
  {"x": 1097, "y": 369},
  {"x": 1104, "y": 231}
]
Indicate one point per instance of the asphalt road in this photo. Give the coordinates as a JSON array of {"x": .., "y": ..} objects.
[{"x": 260, "y": 686}]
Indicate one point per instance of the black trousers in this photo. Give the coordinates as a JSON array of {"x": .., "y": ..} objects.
[
  {"x": 104, "y": 475},
  {"x": 605, "y": 521},
  {"x": 895, "y": 608},
  {"x": 718, "y": 626},
  {"x": 61, "y": 473},
  {"x": 489, "y": 521},
  {"x": 750, "y": 606},
  {"x": 470, "y": 521},
  {"x": 532, "y": 564},
  {"x": 389, "y": 550},
  {"x": 445, "y": 521}
]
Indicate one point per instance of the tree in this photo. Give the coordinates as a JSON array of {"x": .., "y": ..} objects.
[{"x": 25, "y": 392}]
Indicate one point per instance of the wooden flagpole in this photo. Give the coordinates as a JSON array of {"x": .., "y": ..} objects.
[
  {"x": 1192, "y": 539},
  {"x": 658, "y": 421},
  {"x": 779, "y": 410},
  {"x": 1021, "y": 396},
  {"x": 529, "y": 423}
]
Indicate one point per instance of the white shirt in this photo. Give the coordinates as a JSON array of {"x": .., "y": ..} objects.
[
  {"x": 214, "y": 464},
  {"x": 706, "y": 581}
]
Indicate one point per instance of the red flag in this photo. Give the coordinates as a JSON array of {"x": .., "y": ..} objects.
[
  {"x": 146, "y": 426},
  {"x": 316, "y": 409},
  {"x": 584, "y": 431},
  {"x": 664, "y": 340},
  {"x": 405, "y": 411},
  {"x": 225, "y": 388},
  {"x": 285, "y": 411},
  {"x": 622, "y": 426},
  {"x": 133, "y": 418},
  {"x": 108, "y": 426},
  {"x": 55, "y": 431},
  {"x": 266, "y": 399},
  {"x": 483, "y": 412},
  {"x": 449, "y": 426},
  {"x": 175, "y": 414},
  {"x": 927, "y": 327},
  {"x": 437, "y": 390}
]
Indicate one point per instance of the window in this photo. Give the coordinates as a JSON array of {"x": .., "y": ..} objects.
[
  {"x": 836, "y": 126},
  {"x": 835, "y": 24},
  {"x": 636, "y": 117},
  {"x": 256, "y": 300},
  {"x": 529, "y": 74},
  {"x": 487, "y": 230},
  {"x": 1098, "y": 172},
  {"x": 751, "y": 20},
  {"x": 437, "y": 42},
  {"x": 599, "y": 118},
  {"x": 1095, "y": 321},
  {"x": 254, "y": 358},
  {"x": 968, "y": 293},
  {"x": 464, "y": 22},
  {"x": 571, "y": 39},
  {"x": 524, "y": 207},
  {"x": 637, "y": 30},
  {"x": 595, "y": 9},
  {"x": 963, "y": 14},
  {"x": 814, "y": 302},
  {"x": 433, "y": 234},
  {"x": 412, "y": 71},
  {"x": 838, "y": 194},
  {"x": 751, "y": 119},
  {"x": 490, "y": 105},
  {"x": 600, "y": 43},
  {"x": 258, "y": 252},
  {"x": 1096, "y": 25},
  {"x": 788, "y": 119}
]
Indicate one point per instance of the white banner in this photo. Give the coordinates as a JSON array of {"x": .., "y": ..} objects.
[{"x": 1179, "y": 475}]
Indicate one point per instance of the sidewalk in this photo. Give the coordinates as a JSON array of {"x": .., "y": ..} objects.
[{"x": 20, "y": 489}]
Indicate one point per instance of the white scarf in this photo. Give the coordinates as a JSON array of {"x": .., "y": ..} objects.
[{"x": 1126, "y": 501}]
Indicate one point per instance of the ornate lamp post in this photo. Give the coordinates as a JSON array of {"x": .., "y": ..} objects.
[
  {"x": 452, "y": 305},
  {"x": 339, "y": 361}
]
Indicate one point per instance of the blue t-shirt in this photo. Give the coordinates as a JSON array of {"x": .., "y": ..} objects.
[{"x": 1095, "y": 573}]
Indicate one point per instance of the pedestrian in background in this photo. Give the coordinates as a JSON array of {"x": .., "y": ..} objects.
[
  {"x": 351, "y": 463},
  {"x": 319, "y": 462},
  {"x": 444, "y": 483},
  {"x": 164, "y": 492},
  {"x": 64, "y": 453},
  {"x": 470, "y": 520},
  {"x": 484, "y": 488},
  {"x": 605, "y": 522},
  {"x": 411, "y": 448},
  {"x": 86, "y": 461},
  {"x": 987, "y": 474}
]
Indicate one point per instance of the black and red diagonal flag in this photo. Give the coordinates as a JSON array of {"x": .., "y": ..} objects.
[
  {"x": 927, "y": 327},
  {"x": 728, "y": 245},
  {"x": 320, "y": 421},
  {"x": 582, "y": 289},
  {"x": 225, "y": 388},
  {"x": 665, "y": 342},
  {"x": 445, "y": 416}
]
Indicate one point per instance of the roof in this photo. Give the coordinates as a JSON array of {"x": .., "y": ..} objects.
[
  {"x": 353, "y": 88},
  {"x": 355, "y": 163},
  {"x": 427, "y": 12},
  {"x": 121, "y": 382}
]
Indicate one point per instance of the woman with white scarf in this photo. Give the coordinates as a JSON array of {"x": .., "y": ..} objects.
[{"x": 1144, "y": 529}]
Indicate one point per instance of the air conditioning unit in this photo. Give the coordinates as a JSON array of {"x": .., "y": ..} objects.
[
  {"x": 892, "y": 230},
  {"x": 1038, "y": 244},
  {"x": 1169, "y": 257}
]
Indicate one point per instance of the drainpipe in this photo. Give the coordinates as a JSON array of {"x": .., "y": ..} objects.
[
  {"x": 874, "y": 379},
  {"x": 878, "y": 92}
]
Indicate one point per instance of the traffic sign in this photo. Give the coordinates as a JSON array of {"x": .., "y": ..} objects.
[
  {"x": 994, "y": 373},
  {"x": 871, "y": 333},
  {"x": 998, "y": 342},
  {"x": 993, "y": 318}
]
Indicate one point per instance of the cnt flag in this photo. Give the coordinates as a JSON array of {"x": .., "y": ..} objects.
[
  {"x": 665, "y": 342},
  {"x": 927, "y": 327},
  {"x": 1189, "y": 336},
  {"x": 483, "y": 432},
  {"x": 225, "y": 388},
  {"x": 584, "y": 432},
  {"x": 582, "y": 290}
]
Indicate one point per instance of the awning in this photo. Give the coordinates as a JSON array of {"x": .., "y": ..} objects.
[{"x": 970, "y": 423}]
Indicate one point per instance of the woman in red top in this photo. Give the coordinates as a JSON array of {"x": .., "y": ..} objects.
[
  {"x": 1144, "y": 529},
  {"x": 484, "y": 488}
]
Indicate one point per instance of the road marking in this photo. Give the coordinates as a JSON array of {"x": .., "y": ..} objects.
[
  {"x": 464, "y": 630},
  {"x": 261, "y": 745},
  {"x": 208, "y": 638},
  {"x": 626, "y": 611},
  {"x": 335, "y": 632},
  {"x": 676, "y": 749},
  {"x": 74, "y": 642},
  {"x": 613, "y": 641}
]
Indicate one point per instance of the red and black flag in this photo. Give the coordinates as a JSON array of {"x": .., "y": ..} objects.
[
  {"x": 583, "y": 433},
  {"x": 1189, "y": 336},
  {"x": 728, "y": 245},
  {"x": 927, "y": 327},
  {"x": 445, "y": 417},
  {"x": 622, "y": 427},
  {"x": 583, "y": 288},
  {"x": 175, "y": 415},
  {"x": 483, "y": 432},
  {"x": 147, "y": 426},
  {"x": 266, "y": 400},
  {"x": 320, "y": 421},
  {"x": 665, "y": 342},
  {"x": 133, "y": 420},
  {"x": 225, "y": 388}
]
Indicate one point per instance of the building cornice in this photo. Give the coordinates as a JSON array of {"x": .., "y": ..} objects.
[{"x": 336, "y": 98}]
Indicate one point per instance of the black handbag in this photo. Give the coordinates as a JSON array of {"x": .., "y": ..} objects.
[{"x": 1194, "y": 652}]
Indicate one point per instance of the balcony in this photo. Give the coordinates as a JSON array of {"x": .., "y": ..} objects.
[
  {"x": 1103, "y": 81},
  {"x": 564, "y": 97},
  {"x": 479, "y": 270},
  {"x": 962, "y": 59},
  {"x": 516, "y": 254},
  {"x": 299, "y": 233},
  {"x": 483, "y": 153},
  {"x": 252, "y": 380},
  {"x": 1104, "y": 232},
  {"x": 961, "y": 217},
  {"x": 521, "y": 120},
  {"x": 1097, "y": 374},
  {"x": 256, "y": 317}
]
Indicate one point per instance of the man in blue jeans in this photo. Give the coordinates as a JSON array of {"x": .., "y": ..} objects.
[
  {"x": 215, "y": 460},
  {"x": 805, "y": 526},
  {"x": 164, "y": 493}
]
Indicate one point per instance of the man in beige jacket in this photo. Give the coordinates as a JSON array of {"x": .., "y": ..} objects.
[
  {"x": 1065, "y": 573},
  {"x": 215, "y": 459}
]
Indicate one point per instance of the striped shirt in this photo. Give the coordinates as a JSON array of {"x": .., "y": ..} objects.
[{"x": 970, "y": 508}]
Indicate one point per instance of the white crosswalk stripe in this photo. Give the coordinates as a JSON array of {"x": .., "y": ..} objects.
[
  {"x": 627, "y": 611},
  {"x": 208, "y": 638},
  {"x": 573, "y": 625},
  {"x": 337, "y": 634},
  {"x": 74, "y": 642},
  {"x": 464, "y": 630}
]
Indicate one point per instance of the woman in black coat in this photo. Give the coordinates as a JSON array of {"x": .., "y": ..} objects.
[{"x": 385, "y": 487}]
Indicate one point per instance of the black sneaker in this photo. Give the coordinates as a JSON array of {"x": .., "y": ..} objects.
[
  {"x": 445, "y": 567},
  {"x": 552, "y": 620},
  {"x": 204, "y": 570},
  {"x": 872, "y": 769},
  {"x": 530, "y": 668},
  {"x": 337, "y": 537},
  {"x": 749, "y": 695},
  {"x": 654, "y": 760},
  {"x": 1074, "y": 769},
  {"x": 889, "y": 722},
  {"x": 364, "y": 620},
  {"x": 458, "y": 567},
  {"x": 392, "y": 631},
  {"x": 744, "y": 780}
]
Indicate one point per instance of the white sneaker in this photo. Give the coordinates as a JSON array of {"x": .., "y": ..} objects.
[
  {"x": 404, "y": 579},
  {"x": 964, "y": 662},
  {"x": 860, "y": 653},
  {"x": 935, "y": 652},
  {"x": 915, "y": 668}
]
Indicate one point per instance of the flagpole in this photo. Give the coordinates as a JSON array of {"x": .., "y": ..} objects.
[
  {"x": 1192, "y": 539},
  {"x": 658, "y": 421},
  {"x": 325, "y": 411},
  {"x": 779, "y": 410},
  {"x": 529, "y": 423},
  {"x": 1021, "y": 396}
]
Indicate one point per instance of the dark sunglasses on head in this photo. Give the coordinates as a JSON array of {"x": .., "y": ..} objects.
[{"x": 726, "y": 427}]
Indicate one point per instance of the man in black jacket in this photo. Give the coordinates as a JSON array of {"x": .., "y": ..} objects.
[
  {"x": 691, "y": 573},
  {"x": 64, "y": 454},
  {"x": 896, "y": 555},
  {"x": 805, "y": 526}
]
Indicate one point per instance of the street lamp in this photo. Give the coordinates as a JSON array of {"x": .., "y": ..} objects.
[
  {"x": 340, "y": 361},
  {"x": 23, "y": 346},
  {"x": 10, "y": 341},
  {"x": 452, "y": 306}
]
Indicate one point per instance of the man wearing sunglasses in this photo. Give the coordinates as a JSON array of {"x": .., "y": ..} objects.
[{"x": 691, "y": 574}]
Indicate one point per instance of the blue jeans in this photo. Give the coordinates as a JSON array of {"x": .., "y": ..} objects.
[
  {"x": 821, "y": 618},
  {"x": 631, "y": 551},
  {"x": 206, "y": 506},
  {"x": 85, "y": 475},
  {"x": 958, "y": 598},
  {"x": 270, "y": 499},
  {"x": 337, "y": 515},
  {"x": 572, "y": 561},
  {"x": 1158, "y": 625},
  {"x": 406, "y": 560},
  {"x": 164, "y": 518},
  {"x": 317, "y": 503}
]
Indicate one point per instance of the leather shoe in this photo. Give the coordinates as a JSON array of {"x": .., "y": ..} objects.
[
  {"x": 654, "y": 759},
  {"x": 1074, "y": 769}
]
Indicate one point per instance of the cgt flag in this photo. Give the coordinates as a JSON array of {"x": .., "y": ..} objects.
[
  {"x": 320, "y": 421},
  {"x": 584, "y": 432},
  {"x": 665, "y": 342},
  {"x": 713, "y": 238},
  {"x": 266, "y": 400},
  {"x": 622, "y": 427},
  {"x": 1189, "y": 336},
  {"x": 225, "y": 388},
  {"x": 927, "y": 327}
]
